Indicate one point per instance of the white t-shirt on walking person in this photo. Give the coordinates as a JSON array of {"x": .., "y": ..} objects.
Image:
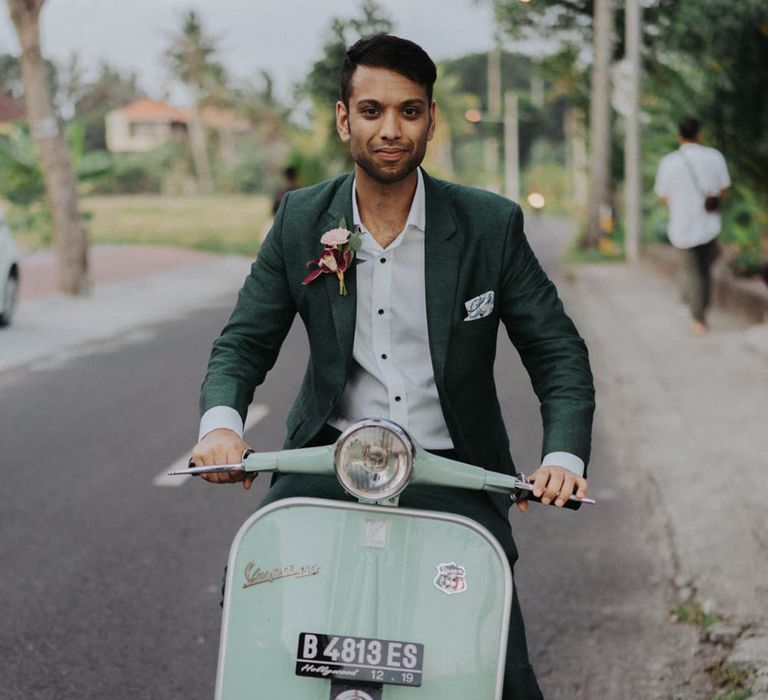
[{"x": 689, "y": 223}]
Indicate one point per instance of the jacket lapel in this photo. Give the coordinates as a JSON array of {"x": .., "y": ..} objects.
[
  {"x": 343, "y": 308},
  {"x": 442, "y": 256}
]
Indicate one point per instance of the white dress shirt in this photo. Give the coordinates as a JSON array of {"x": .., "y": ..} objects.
[
  {"x": 392, "y": 375},
  {"x": 684, "y": 178},
  {"x": 392, "y": 371}
]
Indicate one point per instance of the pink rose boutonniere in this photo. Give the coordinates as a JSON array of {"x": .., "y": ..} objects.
[{"x": 339, "y": 248}]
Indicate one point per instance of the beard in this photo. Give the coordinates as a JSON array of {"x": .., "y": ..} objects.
[{"x": 364, "y": 156}]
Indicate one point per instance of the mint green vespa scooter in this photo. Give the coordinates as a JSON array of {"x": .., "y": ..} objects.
[{"x": 363, "y": 601}]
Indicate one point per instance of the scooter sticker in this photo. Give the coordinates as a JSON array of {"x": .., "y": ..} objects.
[{"x": 450, "y": 578}]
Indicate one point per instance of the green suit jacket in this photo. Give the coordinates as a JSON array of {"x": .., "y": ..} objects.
[{"x": 474, "y": 243}]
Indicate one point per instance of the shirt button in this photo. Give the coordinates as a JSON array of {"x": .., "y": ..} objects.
[
  {"x": 381, "y": 312},
  {"x": 384, "y": 356},
  {"x": 397, "y": 398},
  {"x": 383, "y": 260}
]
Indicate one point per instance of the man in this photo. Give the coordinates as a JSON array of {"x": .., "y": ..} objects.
[
  {"x": 414, "y": 337},
  {"x": 691, "y": 181}
]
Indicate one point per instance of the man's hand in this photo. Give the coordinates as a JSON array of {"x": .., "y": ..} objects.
[
  {"x": 221, "y": 447},
  {"x": 555, "y": 484}
]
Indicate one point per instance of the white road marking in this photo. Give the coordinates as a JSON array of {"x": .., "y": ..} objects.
[{"x": 256, "y": 413}]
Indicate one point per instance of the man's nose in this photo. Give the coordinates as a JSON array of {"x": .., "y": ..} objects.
[{"x": 390, "y": 126}]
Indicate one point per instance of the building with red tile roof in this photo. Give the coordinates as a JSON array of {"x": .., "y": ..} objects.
[{"x": 11, "y": 111}]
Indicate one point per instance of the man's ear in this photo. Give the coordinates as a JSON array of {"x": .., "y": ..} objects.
[
  {"x": 431, "y": 130},
  {"x": 342, "y": 121}
]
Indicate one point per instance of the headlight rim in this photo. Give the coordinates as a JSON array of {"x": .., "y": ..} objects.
[{"x": 381, "y": 423}]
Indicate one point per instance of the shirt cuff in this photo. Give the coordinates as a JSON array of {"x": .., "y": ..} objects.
[
  {"x": 220, "y": 417},
  {"x": 565, "y": 460}
]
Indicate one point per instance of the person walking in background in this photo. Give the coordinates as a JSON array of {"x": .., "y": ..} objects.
[
  {"x": 691, "y": 182},
  {"x": 290, "y": 183}
]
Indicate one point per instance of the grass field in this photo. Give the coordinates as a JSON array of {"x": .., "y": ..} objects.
[{"x": 219, "y": 223}]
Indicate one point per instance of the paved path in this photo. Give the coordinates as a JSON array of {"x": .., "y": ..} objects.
[
  {"x": 688, "y": 414},
  {"x": 108, "y": 264},
  {"x": 690, "y": 411},
  {"x": 132, "y": 286}
]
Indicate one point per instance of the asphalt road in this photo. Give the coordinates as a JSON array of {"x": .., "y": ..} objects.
[{"x": 110, "y": 583}]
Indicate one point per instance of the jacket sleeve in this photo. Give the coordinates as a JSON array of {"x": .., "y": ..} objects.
[
  {"x": 250, "y": 342},
  {"x": 551, "y": 349}
]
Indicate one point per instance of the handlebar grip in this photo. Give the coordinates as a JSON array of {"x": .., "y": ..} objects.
[{"x": 571, "y": 504}]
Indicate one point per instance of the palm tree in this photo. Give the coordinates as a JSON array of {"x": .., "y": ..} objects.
[
  {"x": 71, "y": 238},
  {"x": 191, "y": 59}
]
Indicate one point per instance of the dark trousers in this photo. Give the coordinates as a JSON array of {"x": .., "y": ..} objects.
[
  {"x": 697, "y": 262},
  {"x": 490, "y": 510}
]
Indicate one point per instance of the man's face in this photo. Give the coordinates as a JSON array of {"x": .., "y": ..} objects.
[{"x": 388, "y": 123}]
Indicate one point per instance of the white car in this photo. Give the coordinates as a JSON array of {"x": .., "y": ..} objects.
[{"x": 9, "y": 272}]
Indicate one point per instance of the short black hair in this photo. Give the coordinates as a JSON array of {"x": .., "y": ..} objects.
[
  {"x": 688, "y": 127},
  {"x": 393, "y": 53}
]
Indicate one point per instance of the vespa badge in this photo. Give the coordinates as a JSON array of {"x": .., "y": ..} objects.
[{"x": 450, "y": 578}]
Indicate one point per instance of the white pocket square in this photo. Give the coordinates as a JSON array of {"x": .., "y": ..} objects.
[{"x": 479, "y": 307}]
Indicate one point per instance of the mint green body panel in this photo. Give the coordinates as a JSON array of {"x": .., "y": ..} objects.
[{"x": 316, "y": 566}]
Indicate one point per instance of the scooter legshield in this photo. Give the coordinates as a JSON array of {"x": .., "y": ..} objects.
[{"x": 326, "y": 567}]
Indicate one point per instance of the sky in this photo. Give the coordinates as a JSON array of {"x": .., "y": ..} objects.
[{"x": 283, "y": 37}]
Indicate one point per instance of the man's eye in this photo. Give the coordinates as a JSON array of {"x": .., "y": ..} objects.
[
  {"x": 370, "y": 112},
  {"x": 411, "y": 112}
]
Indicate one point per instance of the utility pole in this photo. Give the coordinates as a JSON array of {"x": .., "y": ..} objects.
[
  {"x": 632, "y": 152},
  {"x": 491, "y": 145},
  {"x": 511, "y": 148},
  {"x": 494, "y": 82},
  {"x": 576, "y": 156}
]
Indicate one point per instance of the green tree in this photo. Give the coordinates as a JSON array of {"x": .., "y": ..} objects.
[
  {"x": 539, "y": 120},
  {"x": 708, "y": 57},
  {"x": 110, "y": 90},
  {"x": 191, "y": 59},
  {"x": 322, "y": 83},
  {"x": 570, "y": 22},
  {"x": 261, "y": 150},
  {"x": 21, "y": 177},
  {"x": 712, "y": 60},
  {"x": 11, "y": 82},
  {"x": 10, "y": 76}
]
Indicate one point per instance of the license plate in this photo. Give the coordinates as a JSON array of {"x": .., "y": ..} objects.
[{"x": 346, "y": 658}]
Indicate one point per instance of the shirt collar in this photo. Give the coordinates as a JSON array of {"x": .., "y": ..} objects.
[{"x": 416, "y": 216}]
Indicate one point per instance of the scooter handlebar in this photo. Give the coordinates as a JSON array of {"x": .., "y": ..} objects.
[
  {"x": 442, "y": 471},
  {"x": 433, "y": 470},
  {"x": 307, "y": 460}
]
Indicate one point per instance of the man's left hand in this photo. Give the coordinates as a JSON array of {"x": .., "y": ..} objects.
[{"x": 554, "y": 485}]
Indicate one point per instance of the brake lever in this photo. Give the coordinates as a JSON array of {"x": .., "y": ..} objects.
[{"x": 192, "y": 470}]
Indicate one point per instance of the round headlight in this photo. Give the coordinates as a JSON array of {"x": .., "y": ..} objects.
[{"x": 374, "y": 459}]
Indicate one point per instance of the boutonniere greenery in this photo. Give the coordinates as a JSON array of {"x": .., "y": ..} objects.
[{"x": 340, "y": 245}]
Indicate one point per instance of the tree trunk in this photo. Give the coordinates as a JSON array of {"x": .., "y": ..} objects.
[
  {"x": 60, "y": 186},
  {"x": 598, "y": 206}
]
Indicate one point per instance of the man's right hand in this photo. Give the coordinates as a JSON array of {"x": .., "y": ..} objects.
[{"x": 221, "y": 447}]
